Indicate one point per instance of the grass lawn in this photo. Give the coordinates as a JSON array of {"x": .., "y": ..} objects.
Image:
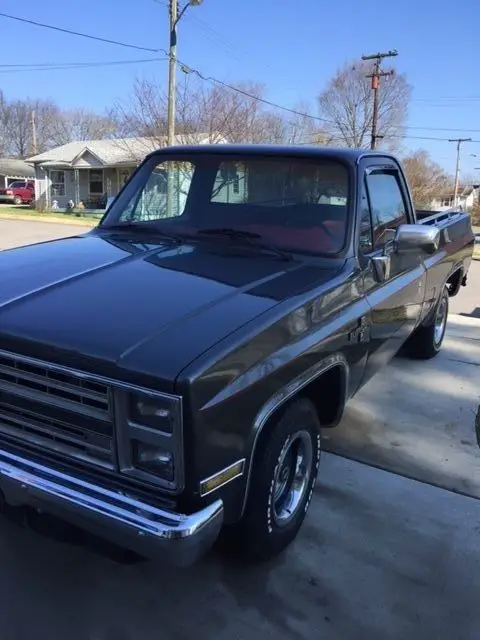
[{"x": 26, "y": 213}]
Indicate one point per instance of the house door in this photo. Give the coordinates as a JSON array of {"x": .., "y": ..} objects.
[{"x": 123, "y": 177}]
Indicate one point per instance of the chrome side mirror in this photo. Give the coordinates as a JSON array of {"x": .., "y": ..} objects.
[
  {"x": 408, "y": 238},
  {"x": 411, "y": 238}
]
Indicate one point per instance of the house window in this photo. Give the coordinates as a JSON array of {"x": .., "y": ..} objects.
[
  {"x": 96, "y": 182},
  {"x": 236, "y": 184},
  {"x": 58, "y": 183}
]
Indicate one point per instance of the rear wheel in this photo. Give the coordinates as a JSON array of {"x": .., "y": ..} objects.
[
  {"x": 283, "y": 477},
  {"x": 427, "y": 340}
]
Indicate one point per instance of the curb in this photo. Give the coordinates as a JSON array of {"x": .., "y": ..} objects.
[{"x": 49, "y": 220}]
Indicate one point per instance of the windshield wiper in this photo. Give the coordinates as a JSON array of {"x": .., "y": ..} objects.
[
  {"x": 239, "y": 234},
  {"x": 143, "y": 228}
]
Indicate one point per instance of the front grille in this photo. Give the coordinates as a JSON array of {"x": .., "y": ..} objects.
[{"x": 56, "y": 410}]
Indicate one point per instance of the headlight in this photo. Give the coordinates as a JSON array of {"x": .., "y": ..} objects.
[
  {"x": 152, "y": 412},
  {"x": 150, "y": 437},
  {"x": 153, "y": 459}
]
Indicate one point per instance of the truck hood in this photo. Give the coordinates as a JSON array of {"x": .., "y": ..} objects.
[{"x": 123, "y": 308}]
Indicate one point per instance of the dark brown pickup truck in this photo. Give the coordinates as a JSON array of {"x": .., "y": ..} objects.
[{"x": 170, "y": 372}]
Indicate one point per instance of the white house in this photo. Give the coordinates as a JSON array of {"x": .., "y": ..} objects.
[
  {"x": 90, "y": 171},
  {"x": 466, "y": 197}
]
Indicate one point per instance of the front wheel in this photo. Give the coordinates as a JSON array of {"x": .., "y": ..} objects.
[
  {"x": 283, "y": 477},
  {"x": 17, "y": 200},
  {"x": 427, "y": 339}
]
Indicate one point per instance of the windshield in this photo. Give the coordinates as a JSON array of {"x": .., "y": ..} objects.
[{"x": 294, "y": 204}]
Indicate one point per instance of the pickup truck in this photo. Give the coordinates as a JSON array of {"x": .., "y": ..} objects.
[
  {"x": 18, "y": 192},
  {"x": 168, "y": 375}
]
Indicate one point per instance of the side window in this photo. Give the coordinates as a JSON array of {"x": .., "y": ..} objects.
[
  {"x": 387, "y": 203},
  {"x": 366, "y": 240}
]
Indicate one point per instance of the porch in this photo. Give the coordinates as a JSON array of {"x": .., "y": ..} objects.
[{"x": 87, "y": 188}]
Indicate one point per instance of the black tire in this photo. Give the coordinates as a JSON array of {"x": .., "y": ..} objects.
[
  {"x": 427, "y": 339},
  {"x": 263, "y": 533},
  {"x": 17, "y": 200}
]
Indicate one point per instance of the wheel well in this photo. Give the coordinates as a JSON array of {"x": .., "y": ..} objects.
[
  {"x": 454, "y": 282},
  {"x": 328, "y": 393}
]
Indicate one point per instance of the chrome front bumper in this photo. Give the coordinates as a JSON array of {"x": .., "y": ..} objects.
[{"x": 125, "y": 521}]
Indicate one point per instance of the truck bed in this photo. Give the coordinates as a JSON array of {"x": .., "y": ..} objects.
[{"x": 453, "y": 225}]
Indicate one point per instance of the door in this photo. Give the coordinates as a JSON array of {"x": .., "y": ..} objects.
[
  {"x": 396, "y": 299},
  {"x": 123, "y": 177}
]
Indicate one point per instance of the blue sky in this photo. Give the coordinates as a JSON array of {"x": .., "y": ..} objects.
[{"x": 292, "y": 47}]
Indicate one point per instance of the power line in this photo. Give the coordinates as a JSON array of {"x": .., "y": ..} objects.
[
  {"x": 47, "y": 66},
  {"x": 78, "y": 33},
  {"x": 52, "y": 66},
  {"x": 186, "y": 68}
]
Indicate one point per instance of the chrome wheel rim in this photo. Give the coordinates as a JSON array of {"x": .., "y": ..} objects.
[
  {"x": 440, "y": 321},
  {"x": 292, "y": 477}
]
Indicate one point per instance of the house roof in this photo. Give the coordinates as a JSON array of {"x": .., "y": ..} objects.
[
  {"x": 15, "y": 168},
  {"x": 463, "y": 191},
  {"x": 109, "y": 152}
]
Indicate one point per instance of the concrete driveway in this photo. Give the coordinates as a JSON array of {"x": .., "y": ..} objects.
[
  {"x": 417, "y": 418},
  {"x": 467, "y": 302},
  {"x": 379, "y": 557}
]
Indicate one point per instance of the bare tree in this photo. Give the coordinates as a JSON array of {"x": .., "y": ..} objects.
[
  {"x": 303, "y": 128},
  {"x": 219, "y": 112},
  {"x": 80, "y": 124},
  {"x": 346, "y": 105},
  {"x": 426, "y": 178},
  {"x": 3, "y": 123},
  {"x": 16, "y": 125}
]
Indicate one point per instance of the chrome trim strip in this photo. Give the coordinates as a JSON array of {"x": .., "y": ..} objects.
[
  {"x": 287, "y": 392},
  {"x": 110, "y": 512},
  {"x": 219, "y": 473}
]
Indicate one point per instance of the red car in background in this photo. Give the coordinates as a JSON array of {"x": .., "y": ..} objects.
[{"x": 18, "y": 192}]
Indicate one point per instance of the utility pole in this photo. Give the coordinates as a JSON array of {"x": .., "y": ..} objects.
[
  {"x": 172, "y": 64},
  {"x": 375, "y": 76},
  {"x": 34, "y": 134},
  {"x": 175, "y": 17},
  {"x": 457, "y": 168}
]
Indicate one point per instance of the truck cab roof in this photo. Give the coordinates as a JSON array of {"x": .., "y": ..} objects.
[{"x": 344, "y": 154}]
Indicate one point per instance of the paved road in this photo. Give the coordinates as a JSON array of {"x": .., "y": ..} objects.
[{"x": 14, "y": 233}]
